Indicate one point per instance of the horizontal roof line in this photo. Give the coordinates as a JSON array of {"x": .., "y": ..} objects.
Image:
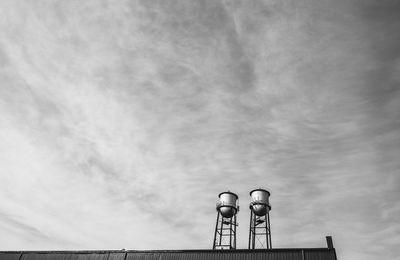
[{"x": 166, "y": 251}]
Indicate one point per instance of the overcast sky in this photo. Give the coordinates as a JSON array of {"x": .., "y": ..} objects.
[{"x": 121, "y": 121}]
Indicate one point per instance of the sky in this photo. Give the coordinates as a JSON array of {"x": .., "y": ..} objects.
[{"x": 122, "y": 121}]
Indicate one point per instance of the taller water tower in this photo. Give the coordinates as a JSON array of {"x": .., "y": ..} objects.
[
  {"x": 260, "y": 230},
  {"x": 225, "y": 228}
]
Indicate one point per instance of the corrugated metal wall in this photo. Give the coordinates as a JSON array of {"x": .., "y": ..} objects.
[
  {"x": 316, "y": 255},
  {"x": 274, "y": 254},
  {"x": 64, "y": 256},
  {"x": 116, "y": 256},
  {"x": 236, "y": 255},
  {"x": 44, "y": 256},
  {"x": 250, "y": 255},
  {"x": 6, "y": 256}
]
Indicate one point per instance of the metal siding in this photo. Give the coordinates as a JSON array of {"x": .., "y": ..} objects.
[
  {"x": 281, "y": 255},
  {"x": 200, "y": 256},
  {"x": 273, "y": 254},
  {"x": 232, "y": 255},
  {"x": 116, "y": 256},
  {"x": 319, "y": 255},
  {"x": 10, "y": 256},
  {"x": 241, "y": 256},
  {"x": 254, "y": 255},
  {"x": 171, "y": 256},
  {"x": 48, "y": 256},
  {"x": 143, "y": 256},
  {"x": 91, "y": 256}
]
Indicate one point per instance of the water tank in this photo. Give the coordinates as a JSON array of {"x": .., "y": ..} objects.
[
  {"x": 260, "y": 202},
  {"x": 227, "y": 204}
]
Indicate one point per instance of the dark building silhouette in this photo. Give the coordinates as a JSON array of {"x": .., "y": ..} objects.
[{"x": 327, "y": 253}]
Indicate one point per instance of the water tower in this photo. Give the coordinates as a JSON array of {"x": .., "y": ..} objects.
[
  {"x": 260, "y": 230},
  {"x": 225, "y": 228}
]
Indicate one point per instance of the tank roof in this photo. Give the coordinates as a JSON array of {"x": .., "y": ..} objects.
[
  {"x": 259, "y": 189},
  {"x": 229, "y": 192}
]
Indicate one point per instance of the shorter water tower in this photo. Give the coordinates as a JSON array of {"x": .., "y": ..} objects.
[
  {"x": 225, "y": 228},
  {"x": 260, "y": 229}
]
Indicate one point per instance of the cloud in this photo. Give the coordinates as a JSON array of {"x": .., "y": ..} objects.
[{"x": 122, "y": 122}]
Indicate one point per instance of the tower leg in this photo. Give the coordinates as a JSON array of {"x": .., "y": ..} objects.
[
  {"x": 268, "y": 231},
  {"x": 259, "y": 233},
  {"x": 230, "y": 234},
  {"x": 250, "y": 228},
  {"x": 221, "y": 230},
  {"x": 253, "y": 242},
  {"x": 225, "y": 233},
  {"x": 234, "y": 236},
  {"x": 216, "y": 231}
]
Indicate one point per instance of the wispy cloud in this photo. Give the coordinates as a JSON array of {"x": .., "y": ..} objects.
[{"x": 120, "y": 123}]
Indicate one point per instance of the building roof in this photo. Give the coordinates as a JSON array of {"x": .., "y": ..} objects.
[
  {"x": 240, "y": 254},
  {"x": 328, "y": 253}
]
